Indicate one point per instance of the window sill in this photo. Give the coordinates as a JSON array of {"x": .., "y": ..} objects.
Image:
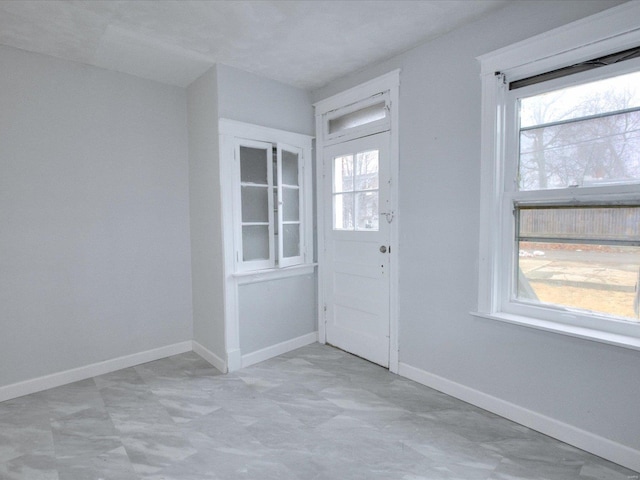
[
  {"x": 584, "y": 333},
  {"x": 257, "y": 276}
]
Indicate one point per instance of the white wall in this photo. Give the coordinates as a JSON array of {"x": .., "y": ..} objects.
[
  {"x": 94, "y": 221},
  {"x": 588, "y": 385},
  {"x": 206, "y": 214}
]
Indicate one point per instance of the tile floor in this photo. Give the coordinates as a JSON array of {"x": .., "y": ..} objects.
[{"x": 316, "y": 413}]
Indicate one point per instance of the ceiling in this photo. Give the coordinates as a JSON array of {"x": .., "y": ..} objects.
[{"x": 302, "y": 43}]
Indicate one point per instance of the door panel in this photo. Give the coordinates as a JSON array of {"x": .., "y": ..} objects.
[{"x": 357, "y": 278}]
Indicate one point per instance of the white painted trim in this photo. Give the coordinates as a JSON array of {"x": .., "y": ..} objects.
[
  {"x": 57, "y": 379},
  {"x": 210, "y": 357},
  {"x": 230, "y": 288},
  {"x": 322, "y": 313},
  {"x": 575, "y": 331},
  {"x": 394, "y": 238},
  {"x": 389, "y": 82},
  {"x": 250, "y": 131},
  {"x": 600, "y": 446},
  {"x": 278, "y": 349},
  {"x": 556, "y": 47},
  {"x": 270, "y": 274}
]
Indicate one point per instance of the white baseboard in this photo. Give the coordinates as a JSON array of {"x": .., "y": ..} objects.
[
  {"x": 53, "y": 380},
  {"x": 278, "y": 349},
  {"x": 600, "y": 446},
  {"x": 210, "y": 357}
]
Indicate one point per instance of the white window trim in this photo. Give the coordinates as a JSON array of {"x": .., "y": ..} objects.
[{"x": 613, "y": 30}]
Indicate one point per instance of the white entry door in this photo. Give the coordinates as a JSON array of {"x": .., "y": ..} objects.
[{"x": 356, "y": 276}]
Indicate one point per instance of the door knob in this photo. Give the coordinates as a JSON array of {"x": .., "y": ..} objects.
[{"x": 383, "y": 249}]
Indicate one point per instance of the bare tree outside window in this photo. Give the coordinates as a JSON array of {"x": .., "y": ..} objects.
[
  {"x": 584, "y": 257},
  {"x": 580, "y": 136}
]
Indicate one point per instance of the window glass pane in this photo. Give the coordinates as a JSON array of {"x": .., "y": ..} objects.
[
  {"x": 366, "y": 177},
  {"x": 255, "y": 242},
  {"x": 593, "y": 98},
  {"x": 291, "y": 240},
  {"x": 585, "y": 258},
  {"x": 289, "y": 168},
  {"x": 597, "y": 224},
  {"x": 597, "y": 151},
  {"x": 343, "y": 174},
  {"x": 253, "y": 165},
  {"x": 367, "y": 207},
  {"x": 255, "y": 206},
  {"x": 358, "y": 118},
  {"x": 583, "y": 135},
  {"x": 291, "y": 204},
  {"x": 343, "y": 209}
]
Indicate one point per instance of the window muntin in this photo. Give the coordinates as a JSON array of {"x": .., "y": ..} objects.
[
  {"x": 582, "y": 135},
  {"x": 575, "y": 245},
  {"x": 355, "y": 191}
]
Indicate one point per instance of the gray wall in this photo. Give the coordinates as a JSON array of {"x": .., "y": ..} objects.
[
  {"x": 206, "y": 217},
  {"x": 589, "y": 385},
  {"x": 265, "y": 321},
  {"x": 94, "y": 236},
  {"x": 249, "y": 98},
  {"x": 276, "y": 311}
]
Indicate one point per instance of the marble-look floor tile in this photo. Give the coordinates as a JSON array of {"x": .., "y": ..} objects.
[
  {"x": 22, "y": 436},
  {"x": 31, "y": 467},
  {"x": 112, "y": 465},
  {"x": 73, "y": 398},
  {"x": 316, "y": 413}
]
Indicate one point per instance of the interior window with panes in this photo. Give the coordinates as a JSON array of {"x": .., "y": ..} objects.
[{"x": 270, "y": 230}]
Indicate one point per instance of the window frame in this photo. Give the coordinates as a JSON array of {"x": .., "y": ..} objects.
[
  {"x": 239, "y": 223},
  {"x": 601, "y": 34},
  {"x": 233, "y": 135},
  {"x": 283, "y": 261}
]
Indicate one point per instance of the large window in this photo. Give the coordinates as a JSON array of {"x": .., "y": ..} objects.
[
  {"x": 582, "y": 251},
  {"x": 560, "y": 242}
]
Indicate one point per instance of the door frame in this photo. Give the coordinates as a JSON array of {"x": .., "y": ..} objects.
[{"x": 389, "y": 85}]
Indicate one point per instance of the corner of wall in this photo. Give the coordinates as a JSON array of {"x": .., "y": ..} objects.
[{"x": 205, "y": 214}]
